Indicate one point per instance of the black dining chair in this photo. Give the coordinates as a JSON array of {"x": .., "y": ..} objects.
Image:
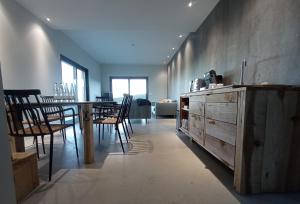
[
  {"x": 105, "y": 109},
  {"x": 115, "y": 121},
  {"x": 57, "y": 117},
  {"x": 27, "y": 118},
  {"x": 127, "y": 115}
]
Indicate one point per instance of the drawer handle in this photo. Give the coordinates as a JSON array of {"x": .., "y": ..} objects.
[{"x": 211, "y": 122}]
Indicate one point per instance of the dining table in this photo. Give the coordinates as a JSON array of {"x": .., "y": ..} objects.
[{"x": 85, "y": 109}]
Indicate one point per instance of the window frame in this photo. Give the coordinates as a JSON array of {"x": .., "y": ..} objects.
[{"x": 80, "y": 67}]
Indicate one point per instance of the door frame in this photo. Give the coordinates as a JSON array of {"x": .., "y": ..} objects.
[
  {"x": 130, "y": 77},
  {"x": 82, "y": 68}
]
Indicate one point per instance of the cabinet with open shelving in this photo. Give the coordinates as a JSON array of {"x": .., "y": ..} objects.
[
  {"x": 184, "y": 114},
  {"x": 227, "y": 122}
]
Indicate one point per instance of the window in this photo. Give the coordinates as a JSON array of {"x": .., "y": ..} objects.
[
  {"x": 136, "y": 86},
  {"x": 76, "y": 74}
]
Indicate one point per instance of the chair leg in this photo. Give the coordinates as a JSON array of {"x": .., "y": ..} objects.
[
  {"x": 118, "y": 131},
  {"x": 43, "y": 144},
  {"x": 99, "y": 129},
  {"x": 75, "y": 139},
  {"x": 51, "y": 156},
  {"x": 130, "y": 125},
  {"x": 37, "y": 147},
  {"x": 63, "y": 135},
  {"x": 102, "y": 131},
  {"x": 62, "y": 131},
  {"x": 124, "y": 130},
  {"x": 79, "y": 118},
  {"x": 127, "y": 129}
]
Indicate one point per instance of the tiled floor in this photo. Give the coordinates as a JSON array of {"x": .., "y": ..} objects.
[{"x": 159, "y": 167}]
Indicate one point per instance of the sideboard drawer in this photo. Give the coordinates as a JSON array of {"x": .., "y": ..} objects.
[
  {"x": 222, "y": 150},
  {"x": 199, "y": 137},
  {"x": 226, "y": 112},
  {"x": 197, "y": 108},
  {"x": 197, "y": 98},
  {"x": 223, "y": 131},
  {"x": 230, "y": 97},
  {"x": 196, "y": 128}
]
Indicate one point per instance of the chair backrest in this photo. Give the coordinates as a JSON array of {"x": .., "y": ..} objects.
[
  {"x": 50, "y": 109},
  {"x": 24, "y": 112},
  {"x": 108, "y": 95},
  {"x": 130, "y": 98},
  {"x": 123, "y": 108},
  {"x": 103, "y": 98}
]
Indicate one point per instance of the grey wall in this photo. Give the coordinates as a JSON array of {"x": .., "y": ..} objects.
[
  {"x": 264, "y": 32},
  {"x": 30, "y": 52},
  {"x": 157, "y": 77}
]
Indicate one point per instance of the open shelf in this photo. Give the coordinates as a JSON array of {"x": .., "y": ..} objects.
[{"x": 184, "y": 114}]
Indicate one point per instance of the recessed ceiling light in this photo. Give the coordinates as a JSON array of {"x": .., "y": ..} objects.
[
  {"x": 180, "y": 36},
  {"x": 190, "y": 4},
  {"x": 168, "y": 56},
  {"x": 173, "y": 48},
  {"x": 48, "y": 19}
]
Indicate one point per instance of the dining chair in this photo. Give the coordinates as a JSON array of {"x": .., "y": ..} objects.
[
  {"x": 115, "y": 121},
  {"x": 105, "y": 109},
  {"x": 104, "y": 98},
  {"x": 57, "y": 117},
  {"x": 127, "y": 115},
  {"x": 127, "y": 112},
  {"x": 25, "y": 105},
  {"x": 114, "y": 113}
]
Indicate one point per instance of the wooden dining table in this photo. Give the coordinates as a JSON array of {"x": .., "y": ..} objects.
[{"x": 85, "y": 109}]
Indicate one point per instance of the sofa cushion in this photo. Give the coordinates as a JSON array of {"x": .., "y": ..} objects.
[{"x": 165, "y": 109}]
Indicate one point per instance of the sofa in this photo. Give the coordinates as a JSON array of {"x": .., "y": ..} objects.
[
  {"x": 165, "y": 109},
  {"x": 140, "y": 111}
]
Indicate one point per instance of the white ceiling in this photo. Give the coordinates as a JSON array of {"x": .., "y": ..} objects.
[{"x": 124, "y": 31}]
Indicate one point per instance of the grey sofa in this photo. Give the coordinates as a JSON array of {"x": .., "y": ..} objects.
[
  {"x": 140, "y": 112},
  {"x": 165, "y": 109}
]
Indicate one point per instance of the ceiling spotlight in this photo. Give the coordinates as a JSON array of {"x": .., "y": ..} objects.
[
  {"x": 180, "y": 36},
  {"x": 168, "y": 56},
  {"x": 173, "y": 48},
  {"x": 48, "y": 19},
  {"x": 190, "y": 4}
]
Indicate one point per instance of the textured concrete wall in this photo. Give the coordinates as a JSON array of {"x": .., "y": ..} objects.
[{"x": 264, "y": 32}]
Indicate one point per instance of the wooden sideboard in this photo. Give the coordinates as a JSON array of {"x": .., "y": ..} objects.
[{"x": 254, "y": 130}]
